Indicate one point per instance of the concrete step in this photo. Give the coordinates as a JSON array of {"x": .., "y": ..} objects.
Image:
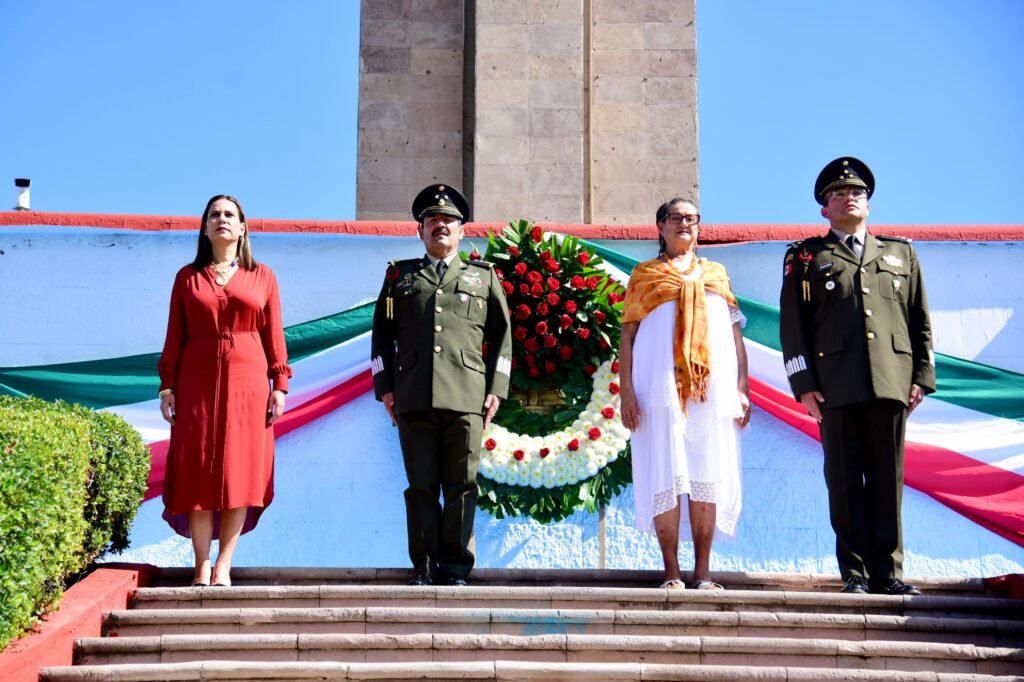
[
  {"x": 555, "y": 648},
  {"x": 178, "y": 577},
  {"x": 491, "y": 671},
  {"x": 560, "y": 597},
  {"x": 411, "y": 620}
]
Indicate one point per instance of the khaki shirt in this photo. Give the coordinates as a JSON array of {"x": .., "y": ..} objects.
[
  {"x": 431, "y": 351},
  {"x": 855, "y": 329}
]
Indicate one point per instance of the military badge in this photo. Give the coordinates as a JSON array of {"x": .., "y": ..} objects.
[
  {"x": 463, "y": 298},
  {"x": 405, "y": 282},
  {"x": 472, "y": 279},
  {"x": 892, "y": 260},
  {"x": 830, "y": 285},
  {"x": 806, "y": 257},
  {"x": 788, "y": 269}
]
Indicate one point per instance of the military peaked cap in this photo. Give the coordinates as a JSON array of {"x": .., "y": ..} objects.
[
  {"x": 844, "y": 171},
  {"x": 440, "y": 199}
]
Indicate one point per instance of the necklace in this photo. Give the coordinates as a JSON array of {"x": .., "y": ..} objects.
[
  {"x": 222, "y": 273},
  {"x": 694, "y": 261}
]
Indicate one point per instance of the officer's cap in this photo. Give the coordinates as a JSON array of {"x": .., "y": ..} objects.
[
  {"x": 440, "y": 199},
  {"x": 843, "y": 172}
]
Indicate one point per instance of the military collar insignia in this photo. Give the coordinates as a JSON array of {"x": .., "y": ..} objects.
[{"x": 894, "y": 261}]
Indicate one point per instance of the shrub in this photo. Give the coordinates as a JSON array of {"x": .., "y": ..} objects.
[{"x": 71, "y": 481}]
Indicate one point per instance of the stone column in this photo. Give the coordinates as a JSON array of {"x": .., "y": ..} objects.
[{"x": 410, "y": 102}]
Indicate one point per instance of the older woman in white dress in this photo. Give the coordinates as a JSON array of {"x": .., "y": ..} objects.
[{"x": 684, "y": 393}]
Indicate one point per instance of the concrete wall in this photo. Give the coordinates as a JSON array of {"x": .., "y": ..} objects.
[
  {"x": 574, "y": 111},
  {"x": 77, "y": 294}
]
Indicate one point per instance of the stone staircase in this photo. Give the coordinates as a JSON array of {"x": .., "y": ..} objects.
[{"x": 365, "y": 624}]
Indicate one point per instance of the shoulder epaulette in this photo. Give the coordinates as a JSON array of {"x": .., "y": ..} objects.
[
  {"x": 894, "y": 238},
  {"x": 481, "y": 264}
]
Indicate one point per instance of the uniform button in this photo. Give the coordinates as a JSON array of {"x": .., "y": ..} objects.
[
  {"x": 440, "y": 291},
  {"x": 437, "y": 349},
  {"x": 438, "y": 309},
  {"x": 437, "y": 327},
  {"x": 871, "y": 336},
  {"x": 867, "y": 313},
  {"x": 821, "y": 355},
  {"x": 864, "y": 270},
  {"x": 866, "y": 290}
]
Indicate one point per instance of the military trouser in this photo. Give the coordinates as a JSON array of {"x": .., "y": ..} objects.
[
  {"x": 441, "y": 451},
  {"x": 863, "y": 446}
]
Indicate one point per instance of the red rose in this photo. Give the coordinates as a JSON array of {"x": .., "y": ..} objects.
[
  {"x": 565, "y": 322},
  {"x": 583, "y": 333},
  {"x": 536, "y": 234},
  {"x": 550, "y": 341},
  {"x": 544, "y": 452},
  {"x": 608, "y": 412},
  {"x": 583, "y": 257},
  {"x": 565, "y": 352},
  {"x": 574, "y": 444},
  {"x": 519, "y": 454},
  {"x": 545, "y": 255},
  {"x": 533, "y": 372},
  {"x": 600, "y": 316},
  {"x": 577, "y": 282},
  {"x": 491, "y": 444},
  {"x": 520, "y": 269},
  {"x": 602, "y": 344},
  {"x": 542, "y": 309},
  {"x": 507, "y": 288},
  {"x": 615, "y": 366},
  {"x": 552, "y": 266},
  {"x": 531, "y": 345},
  {"x": 534, "y": 277},
  {"x": 615, "y": 297},
  {"x": 524, "y": 289},
  {"x": 594, "y": 433},
  {"x": 499, "y": 273},
  {"x": 541, "y": 328},
  {"x": 536, "y": 291},
  {"x": 613, "y": 388},
  {"x": 530, "y": 360},
  {"x": 592, "y": 282},
  {"x": 522, "y": 311},
  {"x": 553, "y": 299},
  {"x": 553, "y": 283},
  {"x": 519, "y": 334},
  {"x": 550, "y": 367},
  {"x": 474, "y": 255},
  {"x": 513, "y": 251},
  {"x": 589, "y": 370},
  {"x": 570, "y": 306}
]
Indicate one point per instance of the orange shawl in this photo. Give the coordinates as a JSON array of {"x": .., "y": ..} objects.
[{"x": 654, "y": 282}]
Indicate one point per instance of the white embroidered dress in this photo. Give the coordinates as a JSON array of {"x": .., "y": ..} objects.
[{"x": 697, "y": 453}]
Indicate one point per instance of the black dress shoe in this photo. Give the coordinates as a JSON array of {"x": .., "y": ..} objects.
[
  {"x": 855, "y": 585},
  {"x": 421, "y": 580},
  {"x": 895, "y": 587},
  {"x": 457, "y": 582}
]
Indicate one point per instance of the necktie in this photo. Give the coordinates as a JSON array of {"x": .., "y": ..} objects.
[
  {"x": 851, "y": 241},
  {"x": 441, "y": 268}
]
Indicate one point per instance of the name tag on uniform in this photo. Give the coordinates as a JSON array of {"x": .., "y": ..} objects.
[{"x": 824, "y": 266}]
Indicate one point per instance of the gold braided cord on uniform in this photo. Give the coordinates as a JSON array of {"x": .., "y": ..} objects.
[{"x": 654, "y": 282}]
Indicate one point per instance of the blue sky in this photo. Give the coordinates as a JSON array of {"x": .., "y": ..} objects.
[{"x": 150, "y": 108}]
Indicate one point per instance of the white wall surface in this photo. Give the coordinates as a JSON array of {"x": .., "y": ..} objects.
[{"x": 79, "y": 294}]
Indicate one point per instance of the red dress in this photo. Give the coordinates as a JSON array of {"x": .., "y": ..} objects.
[{"x": 224, "y": 348}]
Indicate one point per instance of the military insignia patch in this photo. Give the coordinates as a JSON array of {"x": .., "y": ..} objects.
[
  {"x": 472, "y": 279},
  {"x": 894, "y": 261},
  {"x": 806, "y": 257},
  {"x": 463, "y": 298},
  {"x": 405, "y": 282},
  {"x": 788, "y": 269}
]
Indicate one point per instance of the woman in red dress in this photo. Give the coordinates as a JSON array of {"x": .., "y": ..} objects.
[{"x": 223, "y": 377}]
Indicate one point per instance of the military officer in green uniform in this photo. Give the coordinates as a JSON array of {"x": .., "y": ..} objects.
[
  {"x": 857, "y": 344},
  {"x": 441, "y": 357}
]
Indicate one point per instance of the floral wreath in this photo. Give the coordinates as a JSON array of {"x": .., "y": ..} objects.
[{"x": 566, "y": 319}]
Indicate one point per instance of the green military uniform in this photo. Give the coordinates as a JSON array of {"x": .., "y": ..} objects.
[
  {"x": 440, "y": 346},
  {"x": 857, "y": 330}
]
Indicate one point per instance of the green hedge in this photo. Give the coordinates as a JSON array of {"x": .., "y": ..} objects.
[{"x": 71, "y": 481}]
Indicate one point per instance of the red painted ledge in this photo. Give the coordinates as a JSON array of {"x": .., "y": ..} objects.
[
  {"x": 711, "y": 234},
  {"x": 79, "y": 614}
]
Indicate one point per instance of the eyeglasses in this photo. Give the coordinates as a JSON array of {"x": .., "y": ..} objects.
[
  {"x": 679, "y": 218},
  {"x": 850, "y": 192}
]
